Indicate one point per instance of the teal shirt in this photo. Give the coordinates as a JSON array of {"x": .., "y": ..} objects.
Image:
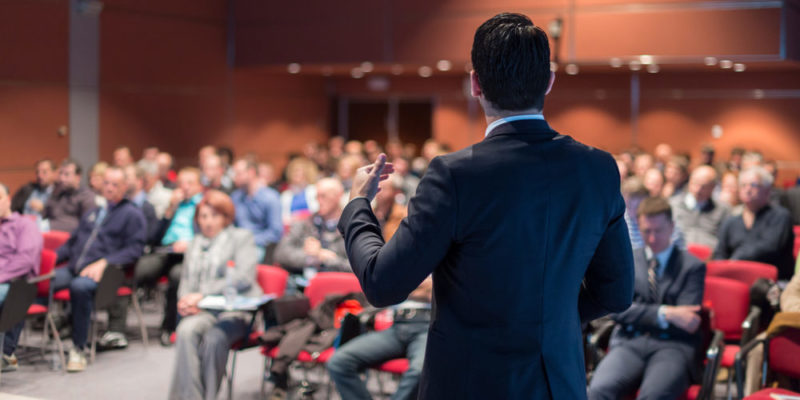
[{"x": 182, "y": 225}]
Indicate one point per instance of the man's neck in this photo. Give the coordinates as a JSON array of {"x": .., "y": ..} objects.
[
  {"x": 493, "y": 114},
  {"x": 252, "y": 187}
]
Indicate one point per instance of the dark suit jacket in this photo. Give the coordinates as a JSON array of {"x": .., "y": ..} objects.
[
  {"x": 510, "y": 228},
  {"x": 682, "y": 283}
]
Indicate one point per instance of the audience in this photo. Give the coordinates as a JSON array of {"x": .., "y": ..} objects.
[
  {"x": 108, "y": 237},
  {"x": 166, "y": 174},
  {"x": 696, "y": 214},
  {"x": 676, "y": 176},
  {"x": 298, "y": 201},
  {"x": 314, "y": 244},
  {"x": 214, "y": 177},
  {"x": 69, "y": 201},
  {"x": 653, "y": 344},
  {"x": 654, "y": 181},
  {"x": 204, "y": 337},
  {"x": 763, "y": 232},
  {"x": 122, "y": 157},
  {"x": 31, "y": 198},
  {"x": 157, "y": 194},
  {"x": 20, "y": 250},
  {"x": 258, "y": 208}
]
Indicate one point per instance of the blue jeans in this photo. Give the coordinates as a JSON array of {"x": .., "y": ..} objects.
[
  {"x": 81, "y": 293},
  {"x": 403, "y": 339},
  {"x": 12, "y": 336}
]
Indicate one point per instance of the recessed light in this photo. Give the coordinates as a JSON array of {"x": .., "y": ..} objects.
[
  {"x": 710, "y": 61},
  {"x": 615, "y": 62},
  {"x": 653, "y": 68},
  {"x": 739, "y": 67},
  {"x": 444, "y": 65},
  {"x": 357, "y": 73},
  {"x": 635, "y": 65},
  {"x": 293, "y": 68},
  {"x": 726, "y": 64},
  {"x": 572, "y": 69},
  {"x": 425, "y": 71},
  {"x": 367, "y": 66},
  {"x": 646, "y": 59}
]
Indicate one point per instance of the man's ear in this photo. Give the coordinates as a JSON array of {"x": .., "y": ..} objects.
[
  {"x": 550, "y": 85},
  {"x": 475, "y": 86}
]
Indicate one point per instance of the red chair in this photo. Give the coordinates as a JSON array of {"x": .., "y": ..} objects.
[
  {"x": 700, "y": 251},
  {"x": 44, "y": 291},
  {"x": 781, "y": 352},
  {"x": 321, "y": 285},
  {"x": 746, "y": 272},
  {"x": 54, "y": 239},
  {"x": 272, "y": 280},
  {"x": 729, "y": 301}
]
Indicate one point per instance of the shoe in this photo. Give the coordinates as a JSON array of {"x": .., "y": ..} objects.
[
  {"x": 9, "y": 363},
  {"x": 167, "y": 339},
  {"x": 76, "y": 361},
  {"x": 278, "y": 394},
  {"x": 113, "y": 340}
]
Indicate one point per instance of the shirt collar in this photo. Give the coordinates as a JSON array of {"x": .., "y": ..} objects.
[
  {"x": 512, "y": 118},
  {"x": 11, "y": 217},
  {"x": 663, "y": 257}
]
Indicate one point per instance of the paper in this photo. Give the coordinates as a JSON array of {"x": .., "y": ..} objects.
[{"x": 241, "y": 303}]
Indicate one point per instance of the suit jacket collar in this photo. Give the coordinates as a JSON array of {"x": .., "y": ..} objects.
[{"x": 526, "y": 127}]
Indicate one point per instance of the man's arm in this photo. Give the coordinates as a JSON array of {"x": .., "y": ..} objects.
[
  {"x": 388, "y": 272},
  {"x": 289, "y": 254},
  {"x": 790, "y": 298},
  {"x": 135, "y": 231},
  {"x": 28, "y": 252},
  {"x": 608, "y": 281},
  {"x": 772, "y": 239},
  {"x": 722, "y": 252},
  {"x": 272, "y": 206}
]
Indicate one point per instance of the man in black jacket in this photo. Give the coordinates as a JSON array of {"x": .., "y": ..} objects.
[
  {"x": 523, "y": 232},
  {"x": 108, "y": 237},
  {"x": 31, "y": 198}
]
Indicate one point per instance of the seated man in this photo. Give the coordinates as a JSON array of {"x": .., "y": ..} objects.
[
  {"x": 697, "y": 215},
  {"x": 652, "y": 346},
  {"x": 763, "y": 232},
  {"x": 69, "y": 201},
  {"x": 258, "y": 208},
  {"x": 31, "y": 198},
  {"x": 175, "y": 232},
  {"x": 20, "y": 249},
  {"x": 407, "y": 338},
  {"x": 109, "y": 237},
  {"x": 314, "y": 244}
]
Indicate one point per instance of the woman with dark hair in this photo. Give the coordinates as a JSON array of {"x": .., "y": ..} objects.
[{"x": 204, "y": 337}]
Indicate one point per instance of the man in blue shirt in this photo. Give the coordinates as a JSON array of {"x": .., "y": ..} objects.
[
  {"x": 176, "y": 230},
  {"x": 258, "y": 208},
  {"x": 107, "y": 237}
]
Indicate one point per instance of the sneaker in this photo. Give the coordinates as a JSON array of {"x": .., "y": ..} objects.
[
  {"x": 113, "y": 340},
  {"x": 9, "y": 363},
  {"x": 167, "y": 339},
  {"x": 76, "y": 361}
]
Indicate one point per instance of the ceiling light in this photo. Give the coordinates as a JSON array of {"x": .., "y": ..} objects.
[
  {"x": 710, "y": 61},
  {"x": 444, "y": 65},
  {"x": 739, "y": 67},
  {"x": 635, "y": 65},
  {"x": 758, "y": 94},
  {"x": 425, "y": 71},
  {"x": 615, "y": 62},
  {"x": 726, "y": 64},
  {"x": 646, "y": 59},
  {"x": 294, "y": 68},
  {"x": 653, "y": 68},
  {"x": 572, "y": 69},
  {"x": 367, "y": 66},
  {"x": 357, "y": 73}
]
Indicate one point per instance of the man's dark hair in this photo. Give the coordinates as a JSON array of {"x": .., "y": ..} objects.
[
  {"x": 225, "y": 152},
  {"x": 46, "y": 161},
  {"x": 511, "y": 57},
  {"x": 652, "y": 206},
  {"x": 72, "y": 161}
]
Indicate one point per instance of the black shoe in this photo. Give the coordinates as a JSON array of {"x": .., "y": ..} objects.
[{"x": 166, "y": 339}]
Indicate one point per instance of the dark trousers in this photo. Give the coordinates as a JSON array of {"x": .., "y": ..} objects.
[
  {"x": 659, "y": 368},
  {"x": 81, "y": 293},
  {"x": 12, "y": 336}
]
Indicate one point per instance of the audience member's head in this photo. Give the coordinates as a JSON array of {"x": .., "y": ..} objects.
[
  {"x": 394, "y": 149},
  {"x": 245, "y": 174},
  {"x": 301, "y": 172},
  {"x": 96, "y": 176},
  {"x": 755, "y": 184},
  {"x": 189, "y": 182},
  {"x": 225, "y": 156},
  {"x": 654, "y": 181},
  {"x": 663, "y": 153},
  {"x": 702, "y": 183},
  {"x": 431, "y": 149},
  {"x": 388, "y": 191},
  {"x": 266, "y": 173},
  {"x": 336, "y": 146},
  {"x": 205, "y": 151},
  {"x": 511, "y": 61},
  {"x": 642, "y": 163},
  {"x": 655, "y": 223},
  {"x": 215, "y": 212},
  {"x": 149, "y": 170},
  {"x": 164, "y": 161},
  {"x": 329, "y": 197},
  {"x": 354, "y": 147},
  {"x": 115, "y": 186},
  {"x": 135, "y": 178},
  {"x": 633, "y": 191},
  {"x": 150, "y": 154},
  {"x": 772, "y": 167},
  {"x": 347, "y": 166},
  {"x": 752, "y": 159},
  {"x": 735, "y": 160},
  {"x": 123, "y": 157},
  {"x": 45, "y": 172},
  {"x": 213, "y": 170},
  {"x": 707, "y": 155},
  {"x": 622, "y": 167},
  {"x": 372, "y": 150},
  {"x": 69, "y": 174},
  {"x": 729, "y": 189},
  {"x": 401, "y": 166},
  {"x": 676, "y": 170},
  {"x": 5, "y": 201}
]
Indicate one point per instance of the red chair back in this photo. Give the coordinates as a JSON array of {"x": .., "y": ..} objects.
[
  {"x": 272, "y": 279},
  {"x": 796, "y": 246},
  {"x": 54, "y": 239},
  {"x": 46, "y": 266},
  {"x": 325, "y": 283},
  {"x": 784, "y": 351},
  {"x": 729, "y": 301},
  {"x": 700, "y": 251},
  {"x": 746, "y": 272}
]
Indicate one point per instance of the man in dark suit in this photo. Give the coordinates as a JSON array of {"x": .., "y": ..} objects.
[
  {"x": 523, "y": 232},
  {"x": 652, "y": 346}
]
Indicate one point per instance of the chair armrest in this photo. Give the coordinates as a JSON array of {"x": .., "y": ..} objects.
[
  {"x": 713, "y": 358},
  {"x": 751, "y": 324},
  {"x": 40, "y": 278},
  {"x": 739, "y": 363}
]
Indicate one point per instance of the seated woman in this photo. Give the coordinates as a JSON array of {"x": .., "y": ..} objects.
[{"x": 204, "y": 337}]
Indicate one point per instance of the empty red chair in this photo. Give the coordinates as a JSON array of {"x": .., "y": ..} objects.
[
  {"x": 746, "y": 272},
  {"x": 700, "y": 251},
  {"x": 54, "y": 239},
  {"x": 781, "y": 351},
  {"x": 325, "y": 283}
]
